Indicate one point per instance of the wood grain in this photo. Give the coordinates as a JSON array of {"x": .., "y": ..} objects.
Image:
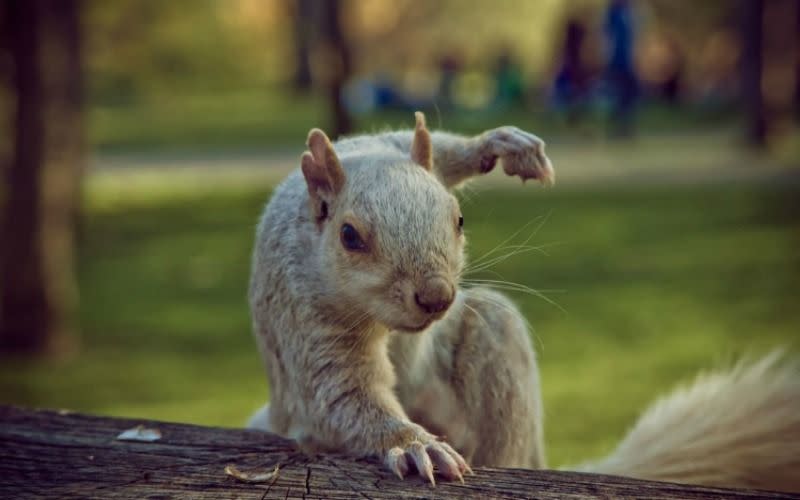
[{"x": 50, "y": 454}]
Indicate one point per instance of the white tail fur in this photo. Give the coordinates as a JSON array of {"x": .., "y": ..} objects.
[{"x": 736, "y": 428}]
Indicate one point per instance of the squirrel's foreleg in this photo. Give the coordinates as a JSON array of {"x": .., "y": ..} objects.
[
  {"x": 353, "y": 403},
  {"x": 456, "y": 159}
]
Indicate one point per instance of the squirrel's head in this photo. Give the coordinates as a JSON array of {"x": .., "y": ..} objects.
[{"x": 391, "y": 234}]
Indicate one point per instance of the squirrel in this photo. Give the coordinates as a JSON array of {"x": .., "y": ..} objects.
[{"x": 371, "y": 347}]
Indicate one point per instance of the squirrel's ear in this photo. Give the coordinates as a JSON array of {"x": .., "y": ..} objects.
[
  {"x": 421, "y": 147},
  {"x": 323, "y": 172}
]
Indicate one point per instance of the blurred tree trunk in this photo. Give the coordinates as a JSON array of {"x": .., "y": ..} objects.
[
  {"x": 332, "y": 60},
  {"x": 752, "y": 63},
  {"x": 797, "y": 62},
  {"x": 38, "y": 292},
  {"x": 24, "y": 309},
  {"x": 6, "y": 98},
  {"x": 302, "y": 12}
]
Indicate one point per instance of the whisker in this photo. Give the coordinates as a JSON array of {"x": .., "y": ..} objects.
[
  {"x": 478, "y": 314},
  {"x": 467, "y": 192},
  {"x": 510, "y": 238},
  {"x": 519, "y": 249},
  {"x": 509, "y": 309},
  {"x": 494, "y": 261},
  {"x": 353, "y": 319},
  {"x": 511, "y": 283},
  {"x": 348, "y": 316},
  {"x": 360, "y": 340},
  {"x": 518, "y": 287},
  {"x": 536, "y": 230},
  {"x": 479, "y": 263}
]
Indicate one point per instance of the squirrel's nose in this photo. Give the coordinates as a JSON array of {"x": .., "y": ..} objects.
[{"x": 435, "y": 295}]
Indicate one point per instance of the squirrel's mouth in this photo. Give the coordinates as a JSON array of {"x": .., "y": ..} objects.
[{"x": 417, "y": 328}]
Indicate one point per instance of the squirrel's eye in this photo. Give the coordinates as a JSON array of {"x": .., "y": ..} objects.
[
  {"x": 351, "y": 240},
  {"x": 460, "y": 222}
]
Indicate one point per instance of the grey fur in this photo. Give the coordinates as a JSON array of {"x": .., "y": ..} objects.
[{"x": 349, "y": 355}]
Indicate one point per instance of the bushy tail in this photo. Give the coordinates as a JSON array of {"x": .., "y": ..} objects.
[{"x": 736, "y": 428}]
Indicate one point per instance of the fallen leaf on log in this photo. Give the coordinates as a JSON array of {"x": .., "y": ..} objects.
[{"x": 247, "y": 477}]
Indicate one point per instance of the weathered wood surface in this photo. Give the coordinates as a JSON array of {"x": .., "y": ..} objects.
[{"x": 66, "y": 455}]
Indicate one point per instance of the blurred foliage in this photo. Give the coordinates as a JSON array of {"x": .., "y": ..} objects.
[
  {"x": 212, "y": 74},
  {"x": 203, "y": 121},
  {"x": 140, "y": 48},
  {"x": 275, "y": 118},
  {"x": 657, "y": 283}
]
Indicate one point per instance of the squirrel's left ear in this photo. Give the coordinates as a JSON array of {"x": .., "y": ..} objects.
[
  {"x": 421, "y": 147},
  {"x": 323, "y": 172}
]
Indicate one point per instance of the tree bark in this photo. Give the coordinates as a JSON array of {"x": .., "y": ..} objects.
[
  {"x": 46, "y": 454},
  {"x": 752, "y": 64},
  {"x": 333, "y": 59},
  {"x": 302, "y": 12},
  {"x": 797, "y": 62},
  {"x": 37, "y": 289},
  {"x": 25, "y": 313}
]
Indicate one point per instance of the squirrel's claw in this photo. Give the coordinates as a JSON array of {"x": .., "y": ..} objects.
[
  {"x": 445, "y": 463},
  {"x": 463, "y": 466},
  {"x": 396, "y": 462},
  {"x": 423, "y": 462},
  {"x": 424, "y": 457},
  {"x": 522, "y": 154}
]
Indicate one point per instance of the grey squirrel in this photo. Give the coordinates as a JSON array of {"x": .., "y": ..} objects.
[{"x": 371, "y": 348}]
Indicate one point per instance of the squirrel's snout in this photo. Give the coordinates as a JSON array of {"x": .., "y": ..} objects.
[{"x": 435, "y": 295}]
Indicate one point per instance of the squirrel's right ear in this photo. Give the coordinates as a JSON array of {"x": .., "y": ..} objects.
[
  {"x": 421, "y": 147},
  {"x": 323, "y": 172}
]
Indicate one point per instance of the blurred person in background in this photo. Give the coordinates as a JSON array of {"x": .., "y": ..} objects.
[
  {"x": 620, "y": 75},
  {"x": 509, "y": 82},
  {"x": 450, "y": 67},
  {"x": 571, "y": 83}
]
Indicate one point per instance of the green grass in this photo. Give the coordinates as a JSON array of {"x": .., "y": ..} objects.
[
  {"x": 275, "y": 117},
  {"x": 229, "y": 120},
  {"x": 657, "y": 284}
]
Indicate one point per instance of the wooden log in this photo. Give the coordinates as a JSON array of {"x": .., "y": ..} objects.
[{"x": 51, "y": 454}]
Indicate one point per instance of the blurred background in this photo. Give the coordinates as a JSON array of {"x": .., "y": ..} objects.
[{"x": 140, "y": 140}]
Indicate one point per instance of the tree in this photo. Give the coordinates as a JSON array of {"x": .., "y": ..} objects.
[
  {"x": 37, "y": 283},
  {"x": 332, "y": 35},
  {"x": 797, "y": 63},
  {"x": 752, "y": 64},
  {"x": 302, "y": 10},
  {"x": 323, "y": 49}
]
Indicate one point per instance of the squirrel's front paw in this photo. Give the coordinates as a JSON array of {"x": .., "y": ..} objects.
[
  {"x": 424, "y": 453},
  {"x": 522, "y": 154}
]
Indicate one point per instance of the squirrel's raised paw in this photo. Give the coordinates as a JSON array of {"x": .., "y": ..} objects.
[
  {"x": 423, "y": 457},
  {"x": 522, "y": 154}
]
